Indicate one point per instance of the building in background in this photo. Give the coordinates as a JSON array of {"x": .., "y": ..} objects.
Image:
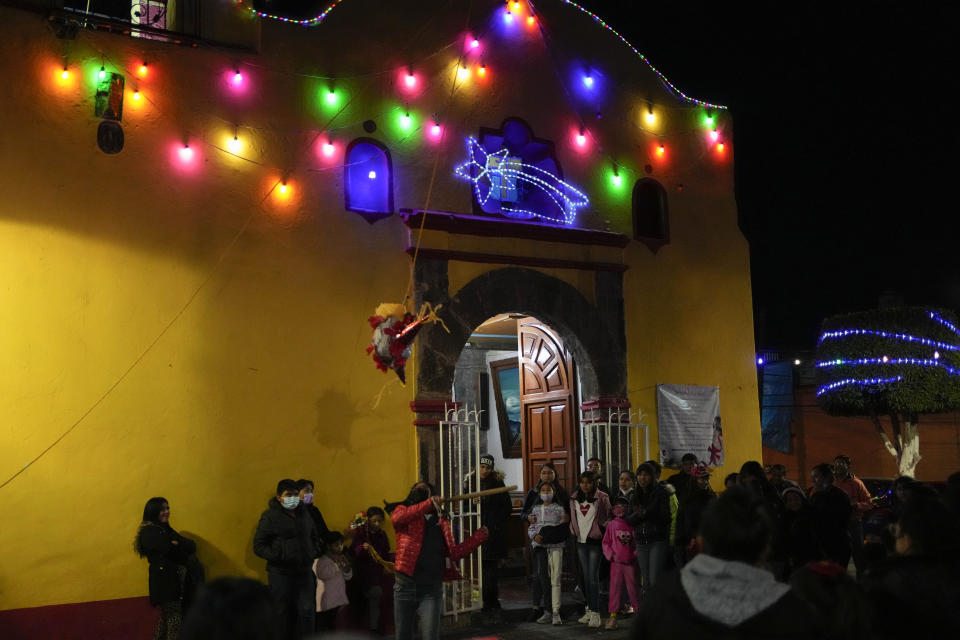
[{"x": 195, "y": 227}]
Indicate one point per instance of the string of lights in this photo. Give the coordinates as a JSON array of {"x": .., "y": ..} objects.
[
  {"x": 903, "y": 337},
  {"x": 920, "y": 362},
  {"x": 316, "y": 20},
  {"x": 936, "y": 317},
  {"x": 434, "y": 131},
  {"x": 307, "y": 22},
  {"x": 584, "y": 130},
  {"x": 860, "y": 382},
  {"x": 660, "y": 75}
]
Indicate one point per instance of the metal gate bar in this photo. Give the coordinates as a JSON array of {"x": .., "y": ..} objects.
[
  {"x": 459, "y": 466},
  {"x": 614, "y": 435}
]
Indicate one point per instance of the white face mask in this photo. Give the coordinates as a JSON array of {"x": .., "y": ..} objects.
[
  {"x": 546, "y": 497},
  {"x": 291, "y": 502}
]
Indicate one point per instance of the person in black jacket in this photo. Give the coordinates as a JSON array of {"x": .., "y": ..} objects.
[
  {"x": 306, "y": 499},
  {"x": 494, "y": 511},
  {"x": 830, "y": 510},
  {"x": 682, "y": 481},
  {"x": 287, "y": 539},
  {"x": 691, "y": 513},
  {"x": 755, "y": 480},
  {"x": 801, "y": 536},
  {"x": 723, "y": 592},
  {"x": 650, "y": 517},
  {"x": 916, "y": 593},
  {"x": 169, "y": 555}
]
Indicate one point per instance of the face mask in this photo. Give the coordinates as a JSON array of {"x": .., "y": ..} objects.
[
  {"x": 546, "y": 497},
  {"x": 619, "y": 511},
  {"x": 308, "y": 498},
  {"x": 291, "y": 502}
]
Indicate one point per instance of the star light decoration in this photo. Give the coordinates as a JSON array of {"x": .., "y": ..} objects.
[{"x": 493, "y": 173}]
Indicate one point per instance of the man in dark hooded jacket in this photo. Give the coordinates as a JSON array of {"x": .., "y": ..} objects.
[
  {"x": 494, "y": 511},
  {"x": 287, "y": 539},
  {"x": 723, "y": 592}
]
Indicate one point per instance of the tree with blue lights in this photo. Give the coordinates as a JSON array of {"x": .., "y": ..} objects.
[{"x": 890, "y": 363}]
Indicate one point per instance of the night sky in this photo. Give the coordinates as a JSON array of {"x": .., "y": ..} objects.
[
  {"x": 845, "y": 138},
  {"x": 845, "y": 143}
]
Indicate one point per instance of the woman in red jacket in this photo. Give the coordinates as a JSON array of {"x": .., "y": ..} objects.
[{"x": 424, "y": 540}]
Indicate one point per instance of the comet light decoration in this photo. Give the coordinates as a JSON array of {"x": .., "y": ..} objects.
[{"x": 518, "y": 186}]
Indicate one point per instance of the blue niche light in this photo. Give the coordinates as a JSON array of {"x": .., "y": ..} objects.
[{"x": 368, "y": 183}]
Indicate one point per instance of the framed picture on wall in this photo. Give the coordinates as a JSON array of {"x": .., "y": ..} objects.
[{"x": 506, "y": 392}]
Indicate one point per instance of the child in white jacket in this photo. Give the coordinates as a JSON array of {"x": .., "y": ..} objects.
[{"x": 548, "y": 532}]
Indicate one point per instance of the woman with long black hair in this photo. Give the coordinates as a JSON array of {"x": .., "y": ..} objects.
[{"x": 169, "y": 555}]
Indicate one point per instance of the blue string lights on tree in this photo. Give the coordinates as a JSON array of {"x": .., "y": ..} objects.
[{"x": 907, "y": 359}]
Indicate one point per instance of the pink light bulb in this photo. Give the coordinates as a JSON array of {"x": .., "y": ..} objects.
[
  {"x": 411, "y": 80},
  {"x": 581, "y": 139},
  {"x": 328, "y": 148},
  {"x": 238, "y": 78},
  {"x": 714, "y": 136},
  {"x": 186, "y": 153},
  {"x": 474, "y": 43},
  {"x": 435, "y": 130}
]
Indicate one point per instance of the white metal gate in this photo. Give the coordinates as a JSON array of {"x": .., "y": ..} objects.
[
  {"x": 459, "y": 465},
  {"x": 614, "y": 435}
]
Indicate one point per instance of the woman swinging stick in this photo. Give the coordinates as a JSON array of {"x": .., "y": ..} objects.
[{"x": 424, "y": 540}]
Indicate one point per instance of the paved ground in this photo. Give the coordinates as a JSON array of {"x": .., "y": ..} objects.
[
  {"x": 514, "y": 597},
  {"x": 533, "y": 631}
]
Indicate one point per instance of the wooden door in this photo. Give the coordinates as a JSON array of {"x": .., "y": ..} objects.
[{"x": 548, "y": 399}]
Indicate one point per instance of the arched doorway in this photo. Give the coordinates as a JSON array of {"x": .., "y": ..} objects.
[
  {"x": 592, "y": 333},
  {"x": 519, "y": 372}
]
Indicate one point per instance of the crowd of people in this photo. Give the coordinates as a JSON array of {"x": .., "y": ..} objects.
[{"x": 766, "y": 558}]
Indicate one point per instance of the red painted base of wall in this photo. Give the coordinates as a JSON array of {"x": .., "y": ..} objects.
[
  {"x": 132, "y": 618},
  {"x": 104, "y": 619}
]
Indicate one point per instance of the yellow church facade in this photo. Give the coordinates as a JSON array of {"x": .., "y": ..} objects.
[{"x": 194, "y": 233}]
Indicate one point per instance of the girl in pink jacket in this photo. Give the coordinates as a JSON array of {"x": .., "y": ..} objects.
[{"x": 621, "y": 550}]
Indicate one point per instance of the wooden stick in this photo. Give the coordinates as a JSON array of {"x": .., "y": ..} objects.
[{"x": 480, "y": 494}]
